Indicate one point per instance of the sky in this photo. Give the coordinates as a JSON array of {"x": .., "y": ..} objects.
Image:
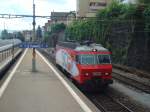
[
  {"x": 131, "y": 1},
  {"x": 25, "y": 7}
]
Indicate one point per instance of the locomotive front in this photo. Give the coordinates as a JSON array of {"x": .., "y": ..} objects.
[
  {"x": 94, "y": 64},
  {"x": 89, "y": 65}
]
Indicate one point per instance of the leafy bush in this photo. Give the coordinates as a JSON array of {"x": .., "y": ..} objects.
[
  {"x": 57, "y": 27},
  {"x": 100, "y": 28},
  {"x": 146, "y": 15}
]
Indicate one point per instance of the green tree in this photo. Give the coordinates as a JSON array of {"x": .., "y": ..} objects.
[
  {"x": 51, "y": 37},
  {"x": 5, "y": 34},
  {"x": 144, "y": 1},
  {"x": 20, "y": 36},
  {"x": 146, "y": 15},
  {"x": 39, "y": 33},
  {"x": 58, "y": 27}
]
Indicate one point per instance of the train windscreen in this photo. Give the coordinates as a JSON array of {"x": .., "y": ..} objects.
[
  {"x": 91, "y": 59},
  {"x": 103, "y": 59}
]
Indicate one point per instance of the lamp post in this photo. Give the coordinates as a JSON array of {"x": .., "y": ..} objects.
[{"x": 33, "y": 40}]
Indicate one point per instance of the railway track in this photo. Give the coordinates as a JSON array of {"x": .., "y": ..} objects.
[
  {"x": 122, "y": 78},
  {"x": 132, "y": 71},
  {"x": 132, "y": 82},
  {"x": 104, "y": 101},
  {"x": 107, "y": 104}
]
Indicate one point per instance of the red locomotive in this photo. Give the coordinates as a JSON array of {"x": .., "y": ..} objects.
[{"x": 88, "y": 64}]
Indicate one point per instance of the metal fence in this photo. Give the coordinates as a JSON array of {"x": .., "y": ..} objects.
[{"x": 8, "y": 53}]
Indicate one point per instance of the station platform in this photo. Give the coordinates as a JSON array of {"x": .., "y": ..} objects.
[{"x": 40, "y": 91}]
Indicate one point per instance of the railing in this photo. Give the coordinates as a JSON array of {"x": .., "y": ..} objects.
[
  {"x": 8, "y": 55},
  {"x": 7, "y": 51}
]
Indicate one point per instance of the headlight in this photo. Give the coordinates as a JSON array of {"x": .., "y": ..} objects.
[
  {"x": 106, "y": 73},
  {"x": 86, "y": 74}
]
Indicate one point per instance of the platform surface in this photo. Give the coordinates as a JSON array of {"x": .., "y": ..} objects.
[{"x": 41, "y": 91}]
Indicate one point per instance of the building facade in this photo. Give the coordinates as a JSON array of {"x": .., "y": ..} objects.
[
  {"x": 47, "y": 27},
  {"x": 27, "y": 35},
  {"x": 71, "y": 17},
  {"x": 88, "y": 8},
  {"x": 59, "y": 17}
]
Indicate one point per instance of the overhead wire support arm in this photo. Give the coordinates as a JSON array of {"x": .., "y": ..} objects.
[{"x": 21, "y": 16}]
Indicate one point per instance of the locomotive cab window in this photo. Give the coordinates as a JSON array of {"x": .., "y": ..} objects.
[
  {"x": 90, "y": 59},
  {"x": 104, "y": 59},
  {"x": 77, "y": 59},
  {"x": 86, "y": 59}
]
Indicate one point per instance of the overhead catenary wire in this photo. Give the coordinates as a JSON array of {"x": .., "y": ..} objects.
[{"x": 12, "y": 16}]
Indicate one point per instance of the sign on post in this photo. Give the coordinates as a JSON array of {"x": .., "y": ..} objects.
[{"x": 33, "y": 45}]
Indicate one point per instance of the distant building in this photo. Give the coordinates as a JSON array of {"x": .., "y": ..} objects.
[
  {"x": 88, "y": 8},
  {"x": 59, "y": 17},
  {"x": 47, "y": 27},
  {"x": 27, "y": 35},
  {"x": 71, "y": 17}
]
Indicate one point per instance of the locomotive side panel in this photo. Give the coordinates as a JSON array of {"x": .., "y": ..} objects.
[{"x": 67, "y": 62}]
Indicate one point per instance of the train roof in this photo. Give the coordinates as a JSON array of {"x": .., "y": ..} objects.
[
  {"x": 83, "y": 46},
  {"x": 8, "y": 43}
]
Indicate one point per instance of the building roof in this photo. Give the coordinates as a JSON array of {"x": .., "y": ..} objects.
[{"x": 59, "y": 15}]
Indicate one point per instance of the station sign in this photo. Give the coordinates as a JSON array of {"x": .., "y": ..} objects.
[{"x": 33, "y": 45}]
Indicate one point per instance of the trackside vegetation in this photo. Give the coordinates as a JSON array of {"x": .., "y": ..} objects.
[{"x": 122, "y": 28}]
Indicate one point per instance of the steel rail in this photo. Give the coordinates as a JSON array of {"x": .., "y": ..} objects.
[
  {"x": 132, "y": 82},
  {"x": 98, "y": 99},
  {"x": 108, "y": 104}
]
